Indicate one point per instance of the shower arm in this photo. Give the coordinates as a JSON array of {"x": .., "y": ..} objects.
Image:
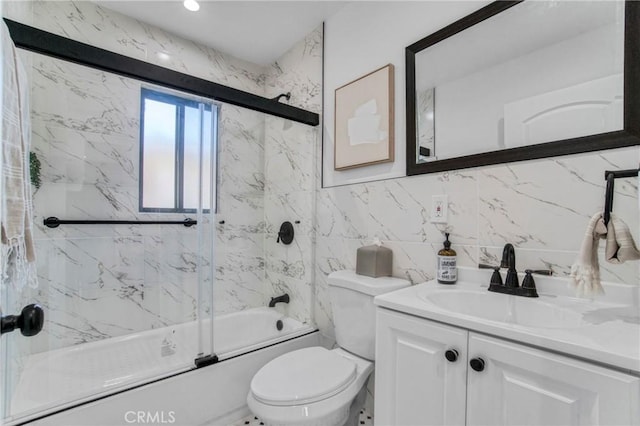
[{"x": 287, "y": 96}]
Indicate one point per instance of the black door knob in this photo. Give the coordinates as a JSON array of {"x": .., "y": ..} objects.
[
  {"x": 477, "y": 364},
  {"x": 29, "y": 321},
  {"x": 451, "y": 355}
]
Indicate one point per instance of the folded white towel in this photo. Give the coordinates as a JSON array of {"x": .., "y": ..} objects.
[{"x": 585, "y": 272}]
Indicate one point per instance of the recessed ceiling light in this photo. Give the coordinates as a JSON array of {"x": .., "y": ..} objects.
[{"x": 191, "y": 5}]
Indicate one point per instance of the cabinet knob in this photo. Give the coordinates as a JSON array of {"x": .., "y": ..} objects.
[
  {"x": 451, "y": 355},
  {"x": 477, "y": 364}
]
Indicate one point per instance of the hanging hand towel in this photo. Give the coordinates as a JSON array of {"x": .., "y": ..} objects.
[
  {"x": 18, "y": 252},
  {"x": 620, "y": 246},
  {"x": 585, "y": 273}
]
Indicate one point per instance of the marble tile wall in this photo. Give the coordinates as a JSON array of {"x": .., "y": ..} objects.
[
  {"x": 95, "y": 25},
  {"x": 291, "y": 177},
  {"x": 99, "y": 282},
  {"x": 103, "y": 281},
  {"x": 541, "y": 206},
  {"x": 239, "y": 244}
]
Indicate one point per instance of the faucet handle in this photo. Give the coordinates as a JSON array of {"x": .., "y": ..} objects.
[
  {"x": 496, "y": 278},
  {"x": 512, "y": 278},
  {"x": 547, "y": 272},
  {"x": 529, "y": 285},
  {"x": 528, "y": 281}
]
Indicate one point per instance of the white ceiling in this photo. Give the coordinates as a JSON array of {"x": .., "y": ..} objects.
[{"x": 256, "y": 31}]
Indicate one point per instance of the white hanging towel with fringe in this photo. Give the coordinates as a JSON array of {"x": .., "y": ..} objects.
[
  {"x": 620, "y": 247},
  {"x": 18, "y": 266},
  {"x": 585, "y": 272}
]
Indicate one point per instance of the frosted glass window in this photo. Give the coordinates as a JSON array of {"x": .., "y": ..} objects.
[
  {"x": 171, "y": 153},
  {"x": 159, "y": 155},
  {"x": 190, "y": 183}
]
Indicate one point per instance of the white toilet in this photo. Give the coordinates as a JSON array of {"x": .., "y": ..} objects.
[{"x": 316, "y": 386}]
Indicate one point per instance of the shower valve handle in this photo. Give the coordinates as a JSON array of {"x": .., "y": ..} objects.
[
  {"x": 285, "y": 235},
  {"x": 29, "y": 321}
]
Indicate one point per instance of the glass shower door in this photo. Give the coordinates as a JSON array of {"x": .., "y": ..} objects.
[{"x": 126, "y": 292}]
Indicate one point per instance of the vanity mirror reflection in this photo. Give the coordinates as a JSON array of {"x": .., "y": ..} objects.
[{"x": 519, "y": 80}]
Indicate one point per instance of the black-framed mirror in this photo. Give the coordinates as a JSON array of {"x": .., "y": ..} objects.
[{"x": 521, "y": 80}]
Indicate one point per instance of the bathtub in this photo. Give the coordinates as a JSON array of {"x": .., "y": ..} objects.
[{"x": 57, "y": 380}]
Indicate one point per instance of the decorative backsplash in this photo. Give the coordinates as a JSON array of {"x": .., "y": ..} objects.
[{"x": 542, "y": 207}]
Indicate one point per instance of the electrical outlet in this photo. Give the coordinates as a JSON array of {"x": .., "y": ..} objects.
[{"x": 439, "y": 208}]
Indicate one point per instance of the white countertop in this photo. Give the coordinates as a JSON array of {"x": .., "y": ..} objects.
[{"x": 608, "y": 331}]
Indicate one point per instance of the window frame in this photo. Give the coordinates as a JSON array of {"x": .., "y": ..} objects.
[{"x": 180, "y": 103}]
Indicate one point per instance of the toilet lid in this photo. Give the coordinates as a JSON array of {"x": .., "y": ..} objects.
[{"x": 303, "y": 376}]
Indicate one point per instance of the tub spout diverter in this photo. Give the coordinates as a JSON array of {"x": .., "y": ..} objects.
[{"x": 280, "y": 299}]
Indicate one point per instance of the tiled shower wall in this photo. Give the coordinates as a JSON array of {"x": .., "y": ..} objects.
[
  {"x": 290, "y": 174},
  {"x": 103, "y": 281},
  {"x": 99, "y": 281}
]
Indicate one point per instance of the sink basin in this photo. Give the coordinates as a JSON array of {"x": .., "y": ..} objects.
[
  {"x": 529, "y": 312},
  {"x": 604, "y": 329}
]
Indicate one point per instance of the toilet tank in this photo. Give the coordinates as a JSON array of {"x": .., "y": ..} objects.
[{"x": 353, "y": 309}]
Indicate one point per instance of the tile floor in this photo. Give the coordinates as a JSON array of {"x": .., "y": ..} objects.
[{"x": 366, "y": 419}]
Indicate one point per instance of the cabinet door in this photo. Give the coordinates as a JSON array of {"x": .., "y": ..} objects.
[
  {"x": 525, "y": 386},
  {"x": 415, "y": 383}
]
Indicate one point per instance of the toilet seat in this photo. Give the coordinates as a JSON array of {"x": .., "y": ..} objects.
[
  {"x": 329, "y": 410},
  {"x": 311, "y": 374}
]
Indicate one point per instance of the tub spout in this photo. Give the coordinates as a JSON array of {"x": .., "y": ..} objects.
[{"x": 280, "y": 299}]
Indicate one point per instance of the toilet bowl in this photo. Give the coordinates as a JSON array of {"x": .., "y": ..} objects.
[
  {"x": 311, "y": 386},
  {"x": 320, "y": 387}
]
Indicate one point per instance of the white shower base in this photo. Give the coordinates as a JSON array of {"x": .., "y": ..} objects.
[{"x": 61, "y": 378}]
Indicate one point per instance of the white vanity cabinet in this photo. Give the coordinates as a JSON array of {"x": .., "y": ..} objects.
[
  {"x": 517, "y": 385},
  {"x": 415, "y": 384}
]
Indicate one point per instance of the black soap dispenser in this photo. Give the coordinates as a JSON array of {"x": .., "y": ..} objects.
[{"x": 447, "y": 263}]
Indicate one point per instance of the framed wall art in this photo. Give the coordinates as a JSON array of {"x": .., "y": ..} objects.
[{"x": 364, "y": 131}]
